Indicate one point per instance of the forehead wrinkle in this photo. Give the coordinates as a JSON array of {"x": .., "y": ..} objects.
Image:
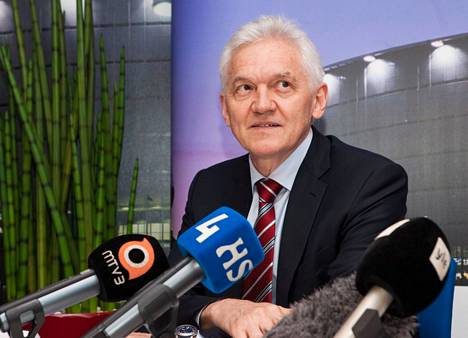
[
  {"x": 241, "y": 78},
  {"x": 282, "y": 75},
  {"x": 286, "y": 75}
]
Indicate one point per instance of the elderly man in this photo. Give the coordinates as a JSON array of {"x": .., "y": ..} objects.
[{"x": 316, "y": 203}]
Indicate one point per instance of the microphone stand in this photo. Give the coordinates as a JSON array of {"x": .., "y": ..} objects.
[
  {"x": 161, "y": 325},
  {"x": 13, "y": 315},
  {"x": 157, "y": 310},
  {"x": 369, "y": 325}
]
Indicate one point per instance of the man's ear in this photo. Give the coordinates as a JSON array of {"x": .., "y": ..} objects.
[
  {"x": 222, "y": 100},
  {"x": 320, "y": 101}
]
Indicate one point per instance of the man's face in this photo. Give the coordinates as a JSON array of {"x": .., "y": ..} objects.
[{"x": 268, "y": 101}]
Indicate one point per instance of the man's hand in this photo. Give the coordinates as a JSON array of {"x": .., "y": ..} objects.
[{"x": 242, "y": 318}]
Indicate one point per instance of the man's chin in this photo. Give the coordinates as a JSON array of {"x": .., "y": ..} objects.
[{"x": 265, "y": 153}]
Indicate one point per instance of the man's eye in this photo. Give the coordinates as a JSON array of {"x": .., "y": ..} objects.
[
  {"x": 244, "y": 88},
  {"x": 284, "y": 84}
]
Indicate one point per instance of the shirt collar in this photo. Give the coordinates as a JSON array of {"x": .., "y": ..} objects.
[{"x": 286, "y": 173}]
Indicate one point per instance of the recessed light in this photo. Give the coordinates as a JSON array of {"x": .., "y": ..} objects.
[
  {"x": 162, "y": 8},
  {"x": 369, "y": 58},
  {"x": 437, "y": 43}
]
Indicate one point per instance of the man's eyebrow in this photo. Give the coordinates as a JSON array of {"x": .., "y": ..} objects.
[
  {"x": 240, "y": 78},
  {"x": 282, "y": 75},
  {"x": 287, "y": 75}
]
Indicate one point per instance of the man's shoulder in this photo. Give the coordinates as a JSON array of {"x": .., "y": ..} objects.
[
  {"x": 226, "y": 168},
  {"x": 349, "y": 155}
]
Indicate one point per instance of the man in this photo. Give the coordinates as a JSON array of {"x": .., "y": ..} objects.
[{"x": 316, "y": 202}]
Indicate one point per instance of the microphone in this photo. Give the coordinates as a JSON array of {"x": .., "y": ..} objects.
[
  {"x": 321, "y": 314},
  {"x": 117, "y": 269},
  {"x": 220, "y": 249},
  {"x": 403, "y": 270}
]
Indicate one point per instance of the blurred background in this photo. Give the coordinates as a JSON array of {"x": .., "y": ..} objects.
[{"x": 145, "y": 32}]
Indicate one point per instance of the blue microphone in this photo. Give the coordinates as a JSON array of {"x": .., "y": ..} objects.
[
  {"x": 219, "y": 250},
  {"x": 225, "y": 246}
]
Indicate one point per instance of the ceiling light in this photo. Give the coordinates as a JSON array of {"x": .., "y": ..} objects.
[
  {"x": 369, "y": 58},
  {"x": 162, "y": 8},
  {"x": 437, "y": 43}
]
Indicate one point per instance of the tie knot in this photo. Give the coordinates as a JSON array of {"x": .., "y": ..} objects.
[{"x": 268, "y": 189}]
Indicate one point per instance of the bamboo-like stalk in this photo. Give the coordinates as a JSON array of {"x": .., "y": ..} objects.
[
  {"x": 90, "y": 63},
  {"x": 54, "y": 142},
  {"x": 32, "y": 267},
  {"x": 26, "y": 183},
  {"x": 41, "y": 219},
  {"x": 77, "y": 190},
  {"x": 5, "y": 208},
  {"x": 27, "y": 231},
  {"x": 78, "y": 195},
  {"x": 117, "y": 127},
  {"x": 65, "y": 247},
  {"x": 100, "y": 201},
  {"x": 54, "y": 270},
  {"x": 84, "y": 131},
  {"x": 131, "y": 203},
  {"x": 20, "y": 40},
  {"x": 106, "y": 140},
  {"x": 64, "y": 116},
  {"x": 57, "y": 166},
  {"x": 41, "y": 69},
  {"x": 10, "y": 215},
  {"x": 111, "y": 177},
  {"x": 14, "y": 172},
  {"x": 68, "y": 155},
  {"x": 120, "y": 110}
]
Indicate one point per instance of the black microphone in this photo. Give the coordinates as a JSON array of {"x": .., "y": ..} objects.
[
  {"x": 118, "y": 268},
  {"x": 321, "y": 314},
  {"x": 402, "y": 272},
  {"x": 221, "y": 249}
]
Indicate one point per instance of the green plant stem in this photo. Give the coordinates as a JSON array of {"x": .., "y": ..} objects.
[
  {"x": 54, "y": 143},
  {"x": 10, "y": 215},
  {"x": 20, "y": 42},
  {"x": 26, "y": 191},
  {"x": 84, "y": 133},
  {"x": 41, "y": 69},
  {"x": 5, "y": 209},
  {"x": 66, "y": 247},
  {"x": 41, "y": 210},
  {"x": 131, "y": 203}
]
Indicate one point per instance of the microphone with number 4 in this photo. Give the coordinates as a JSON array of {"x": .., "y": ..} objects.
[{"x": 220, "y": 249}]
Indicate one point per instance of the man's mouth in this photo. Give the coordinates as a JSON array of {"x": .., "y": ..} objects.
[{"x": 265, "y": 125}]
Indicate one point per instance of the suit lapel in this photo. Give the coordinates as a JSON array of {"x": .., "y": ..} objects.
[
  {"x": 238, "y": 196},
  {"x": 303, "y": 204}
]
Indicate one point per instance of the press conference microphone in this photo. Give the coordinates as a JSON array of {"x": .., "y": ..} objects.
[
  {"x": 402, "y": 272},
  {"x": 220, "y": 249},
  {"x": 117, "y": 269},
  {"x": 321, "y": 314},
  {"x": 408, "y": 261}
]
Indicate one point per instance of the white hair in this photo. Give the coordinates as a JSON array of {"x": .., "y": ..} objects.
[{"x": 267, "y": 26}]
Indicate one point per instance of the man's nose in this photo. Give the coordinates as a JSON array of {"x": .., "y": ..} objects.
[{"x": 263, "y": 103}]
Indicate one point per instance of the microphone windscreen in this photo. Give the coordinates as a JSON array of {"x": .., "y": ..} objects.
[
  {"x": 321, "y": 314},
  {"x": 125, "y": 264},
  {"x": 409, "y": 260},
  {"x": 225, "y": 246}
]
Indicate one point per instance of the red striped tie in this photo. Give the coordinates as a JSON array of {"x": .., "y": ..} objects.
[{"x": 257, "y": 285}]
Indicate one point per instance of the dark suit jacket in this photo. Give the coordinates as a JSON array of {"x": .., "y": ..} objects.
[{"x": 341, "y": 199}]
